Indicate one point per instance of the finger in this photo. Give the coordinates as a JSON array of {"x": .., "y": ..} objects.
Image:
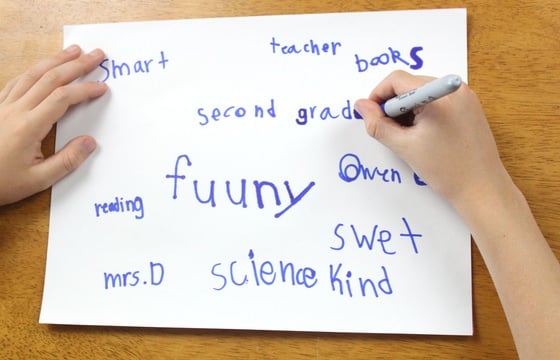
[
  {"x": 46, "y": 114},
  {"x": 379, "y": 126},
  {"x": 396, "y": 83},
  {"x": 68, "y": 159},
  {"x": 6, "y": 90},
  {"x": 62, "y": 75},
  {"x": 30, "y": 77}
]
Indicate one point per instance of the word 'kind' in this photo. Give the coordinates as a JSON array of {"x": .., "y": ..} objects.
[{"x": 238, "y": 194}]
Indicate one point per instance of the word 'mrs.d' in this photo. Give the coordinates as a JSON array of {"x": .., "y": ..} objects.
[{"x": 149, "y": 276}]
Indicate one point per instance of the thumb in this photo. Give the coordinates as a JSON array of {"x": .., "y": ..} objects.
[
  {"x": 378, "y": 125},
  {"x": 66, "y": 160}
]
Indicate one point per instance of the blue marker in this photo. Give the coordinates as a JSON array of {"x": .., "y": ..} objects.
[{"x": 423, "y": 95}]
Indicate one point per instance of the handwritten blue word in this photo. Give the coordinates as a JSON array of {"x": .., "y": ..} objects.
[
  {"x": 343, "y": 283},
  {"x": 240, "y": 197},
  {"x": 232, "y": 111},
  {"x": 120, "y": 205},
  {"x": 310, "y": 47},
  {"x": 115, "y": 69},
  {"x": 263, "y": 273},
  {"x": 382, "y": 236},
  {"x": 133, "y": 278},
  {"x": 391, "y": 57},
  {"x": 327, "y": 112},
  {"x": 350, "y": 168}
]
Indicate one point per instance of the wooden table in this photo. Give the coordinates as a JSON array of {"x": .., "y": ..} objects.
[{"x": 514, "y": 66}]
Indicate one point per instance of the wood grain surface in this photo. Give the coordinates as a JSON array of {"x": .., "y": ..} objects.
[{"x": 514, "y": 66}]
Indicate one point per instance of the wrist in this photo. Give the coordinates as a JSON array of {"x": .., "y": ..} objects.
[{"x": 483, "y": 200}]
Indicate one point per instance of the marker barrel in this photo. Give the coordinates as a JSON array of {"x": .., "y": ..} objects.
[{"x": 423, "y": 95}]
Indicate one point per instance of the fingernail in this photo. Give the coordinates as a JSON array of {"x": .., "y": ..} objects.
[
  {"x": 358, "y": 109},
  {"x": 96, "y": 53},
  {"x": 88, "y": 145},
  {"x": 72, "y": 49}
]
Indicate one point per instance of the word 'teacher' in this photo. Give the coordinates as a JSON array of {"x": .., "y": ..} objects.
[{"x": 235, "y": 187}]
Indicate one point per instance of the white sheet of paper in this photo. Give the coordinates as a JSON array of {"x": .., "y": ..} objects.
[{"x": 233, "y": 187}]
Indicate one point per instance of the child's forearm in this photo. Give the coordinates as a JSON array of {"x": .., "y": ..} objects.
[{"x": 525, "y": 271}]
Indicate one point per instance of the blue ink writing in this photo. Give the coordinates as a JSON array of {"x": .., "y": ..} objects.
[
  {"x": 377, "y": 234},
  {"x": 350, "y": 168},
  {"x": 310, "y": 47},
  {"x": 392, "y": 56},
  {"x": 418, "y": 181},
  {"x": 134, "y": 278},
  {"x": 238, "y": 112},
  {"x": 418, "y": 62},
  {"x": 382, "y": 236},
  {"x": 410, "y": 235},
  {"x": 326, "y": 112},
  {"x": 120, "y": 205},
  {"x": 114, "y": 69},
  {"x": 346, "y": 283},
  {"x": 260, "y": 187},
  {"x": 259, "y": 273}
]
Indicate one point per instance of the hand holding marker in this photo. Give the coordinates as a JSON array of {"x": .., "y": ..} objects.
[{"x": 423, "y": 95}]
